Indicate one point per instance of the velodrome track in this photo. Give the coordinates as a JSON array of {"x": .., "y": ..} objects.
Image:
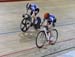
[
  {"x": 14, "y": 43},
  {"x": 12, "y": 0}
]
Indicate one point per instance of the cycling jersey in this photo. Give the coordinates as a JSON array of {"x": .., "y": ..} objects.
[
  {"x": 33, "y": 7},
  {"x": 51, "y": 18}
]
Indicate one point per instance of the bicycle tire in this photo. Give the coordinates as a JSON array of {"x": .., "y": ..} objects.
[
  {"x": 56, "y": 37},
  {"x": 39, "y": 45}
]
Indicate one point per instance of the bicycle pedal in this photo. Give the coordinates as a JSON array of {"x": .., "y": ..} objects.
[{"x": 51, "y": 42}]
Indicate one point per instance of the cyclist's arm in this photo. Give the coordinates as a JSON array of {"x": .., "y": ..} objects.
[
  {"x": 27, "y": 7},
  {"x": 42, "y": 21}
]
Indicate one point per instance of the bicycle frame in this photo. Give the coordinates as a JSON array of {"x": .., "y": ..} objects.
[{"x": 45, "y": 30}]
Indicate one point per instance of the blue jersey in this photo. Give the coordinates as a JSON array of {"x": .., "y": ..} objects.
[
  {"x": 52, "y": 18},
  {"x": 33, "y": 7}
]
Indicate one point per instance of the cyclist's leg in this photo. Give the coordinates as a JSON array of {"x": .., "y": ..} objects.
[
  {"x": 51, "y": 42},
  {"x": 46, "y": 32},
  {"x": 35, "y": 12},
  {"x": 49, "y": 32},
  {"x": 52, "y": 38},
  {"x": 54, "y": 22},
  {"x": 31, "y": 12}
]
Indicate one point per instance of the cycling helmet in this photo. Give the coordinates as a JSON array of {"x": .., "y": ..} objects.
[{"x": 46, "y": 15}]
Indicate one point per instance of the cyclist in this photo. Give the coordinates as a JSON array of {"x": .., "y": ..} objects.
[
  {"x": 33, "y": 8},
  {"x": 49, "y": 21}
]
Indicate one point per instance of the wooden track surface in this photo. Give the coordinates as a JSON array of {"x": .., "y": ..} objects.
[{"x": 12, "y": 0}]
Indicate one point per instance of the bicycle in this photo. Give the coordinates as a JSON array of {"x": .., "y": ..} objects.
[
  {"x": 42, "y": 35},
  {"x": 26, "y": 23}
]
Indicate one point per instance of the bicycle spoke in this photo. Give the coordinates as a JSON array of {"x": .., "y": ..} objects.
[
  {"x": 24, "y": 28},
  {"x": 54, "y": 35},
  {"x": 41, "y": 38},
  {"x": 23, "y": 22},
  {"x": 28, "y": 23},
  {"x": 22, "y": 25}
]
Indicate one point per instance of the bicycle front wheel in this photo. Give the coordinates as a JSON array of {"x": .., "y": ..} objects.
[
  {"x": 25, "y": 23},
  {"x": 40, "y": 39}
]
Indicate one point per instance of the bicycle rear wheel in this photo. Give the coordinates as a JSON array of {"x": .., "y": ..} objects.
[
  {"x": 54, "y": 36},
  {"x": 40, "y": 39}
]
